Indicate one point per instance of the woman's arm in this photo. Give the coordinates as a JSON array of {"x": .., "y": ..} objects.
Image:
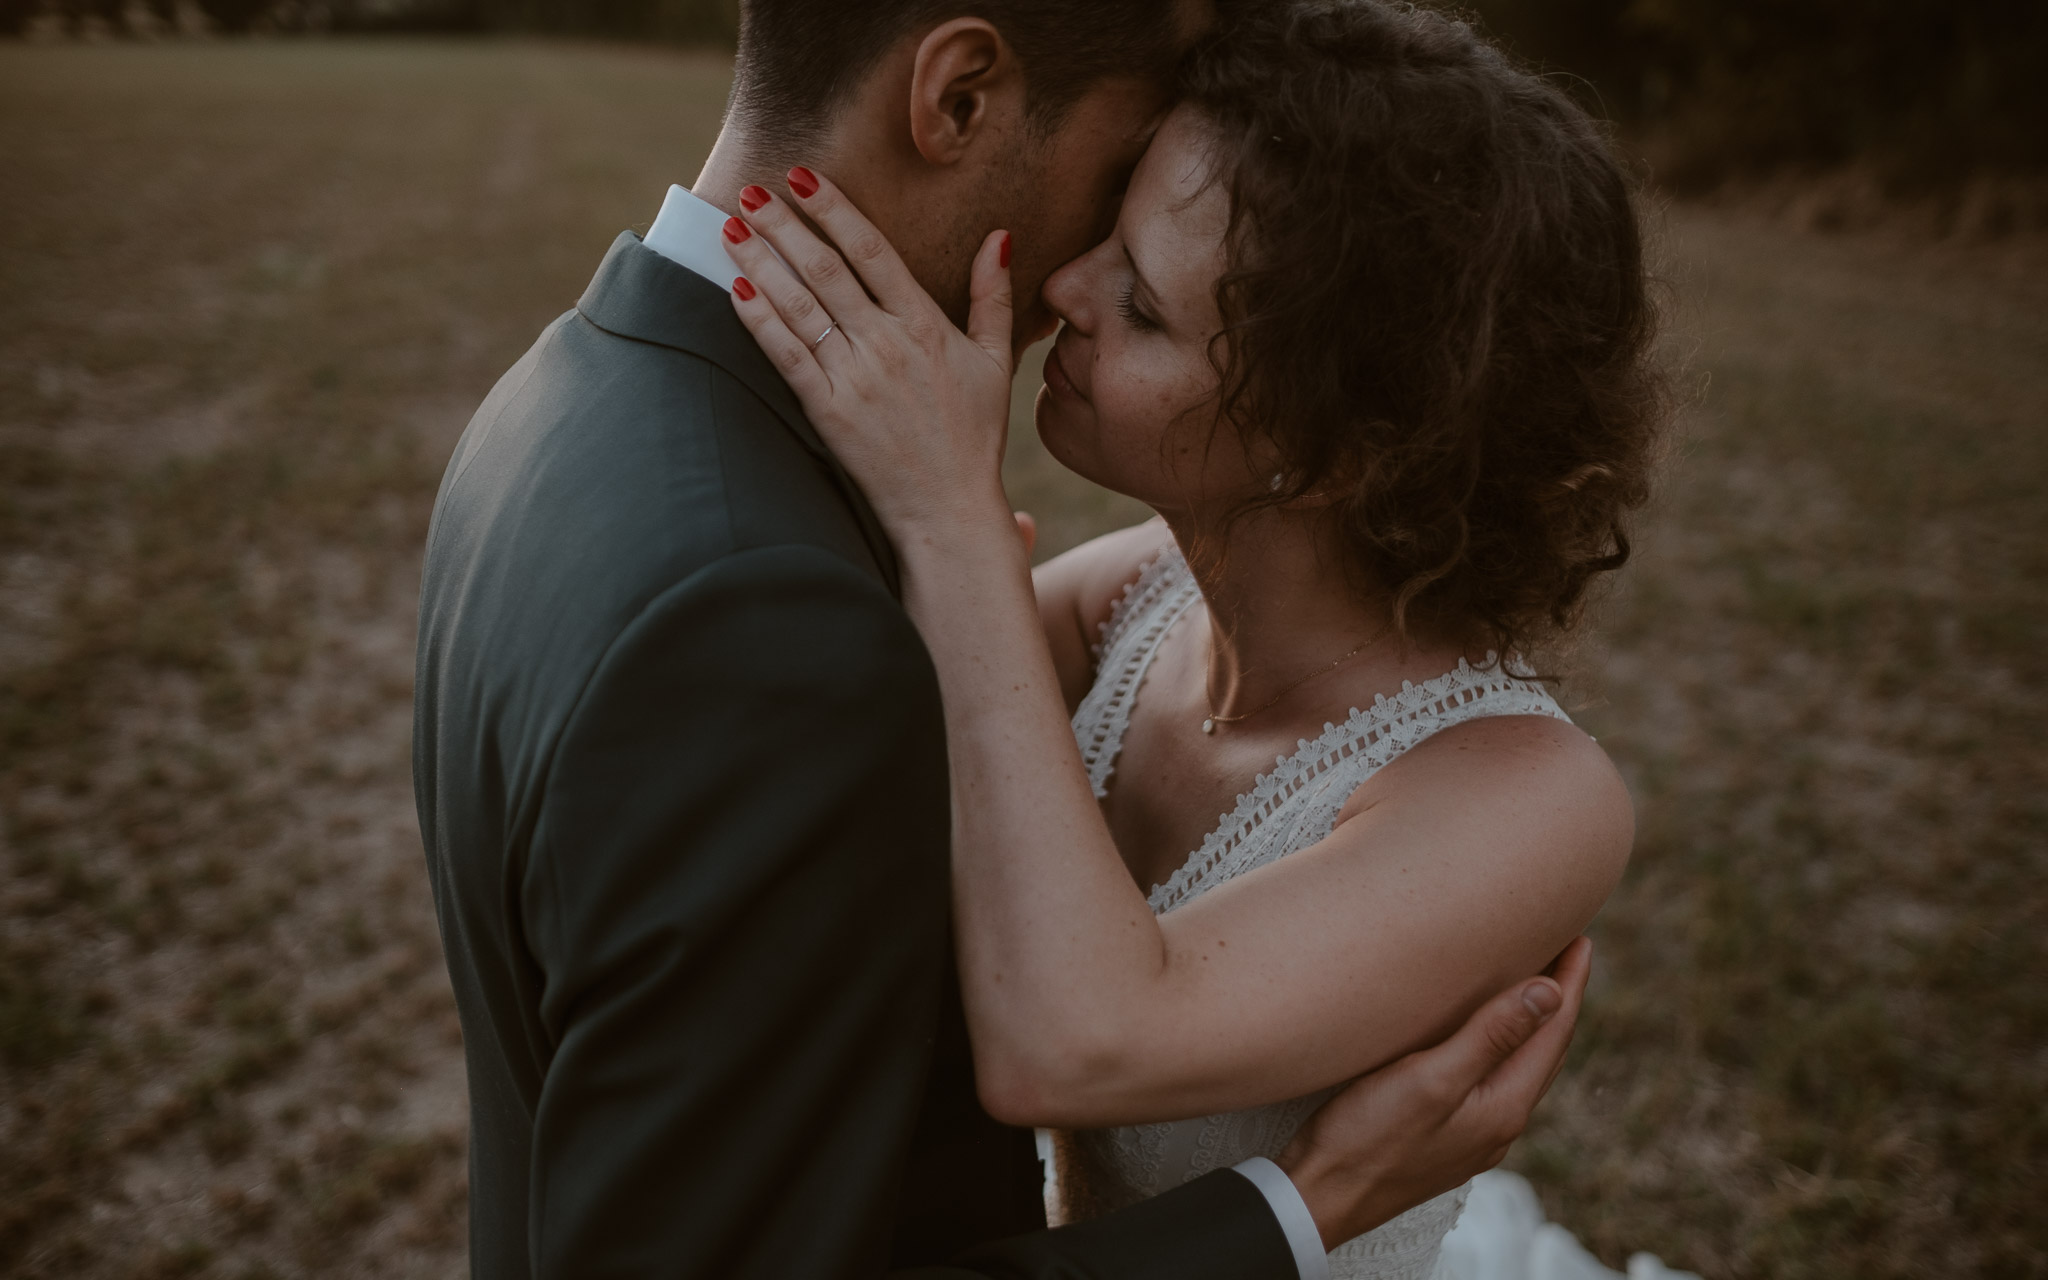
[{"x": 1085, "y": 1008}]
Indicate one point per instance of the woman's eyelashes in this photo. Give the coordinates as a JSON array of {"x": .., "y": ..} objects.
[{"x": 1127, "y": 307}]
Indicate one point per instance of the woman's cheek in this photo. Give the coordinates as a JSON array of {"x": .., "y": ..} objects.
[
  {"x": 1130, "y": 436},
  {"x": 1130, "y": 448}
]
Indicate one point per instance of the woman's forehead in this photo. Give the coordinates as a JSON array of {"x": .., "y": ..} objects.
[
  {"x": 1175, "y": 169},
  {"x": 1175, "y": 214}
]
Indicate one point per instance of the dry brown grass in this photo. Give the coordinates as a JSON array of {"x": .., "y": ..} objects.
[
  {"x": 248, "y": 294},
  {"x": 1819, "y": 1042}
]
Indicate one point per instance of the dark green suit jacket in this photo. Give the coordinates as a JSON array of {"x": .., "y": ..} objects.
[{"x": 682, "y": 779}]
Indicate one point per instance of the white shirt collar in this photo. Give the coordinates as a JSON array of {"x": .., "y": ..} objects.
[{"x": 691, "y": 233}]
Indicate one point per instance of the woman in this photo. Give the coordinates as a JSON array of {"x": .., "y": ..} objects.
[{"x": 1372, "y": 337}]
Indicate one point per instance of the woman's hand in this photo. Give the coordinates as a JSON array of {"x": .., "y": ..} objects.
[{"x": 915, "y": 409}]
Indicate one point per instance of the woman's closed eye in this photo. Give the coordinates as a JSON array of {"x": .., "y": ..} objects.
[{"x": 1127, "y": 307}]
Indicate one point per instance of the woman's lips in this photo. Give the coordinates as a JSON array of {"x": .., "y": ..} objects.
[{"x": 1056, "y": 378}]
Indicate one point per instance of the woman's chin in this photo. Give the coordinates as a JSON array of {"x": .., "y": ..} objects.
[
  {"x": 1073, "y": 447},
  {"x": 1060, "y": 434}
]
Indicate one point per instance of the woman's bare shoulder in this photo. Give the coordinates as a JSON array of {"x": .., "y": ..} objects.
[
  {"x": 1544, "y": 783},
  {"x": 1077, "y": 591},
  {"x": 1089, "y": 580}
]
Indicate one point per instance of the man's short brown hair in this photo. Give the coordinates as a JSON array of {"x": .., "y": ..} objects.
[{"x": 800, "y": 59}]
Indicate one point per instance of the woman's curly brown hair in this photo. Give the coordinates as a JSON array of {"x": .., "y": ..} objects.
[{"x": 1436, "y": 308}]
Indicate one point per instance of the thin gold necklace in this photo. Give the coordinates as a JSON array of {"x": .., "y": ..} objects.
[{"x": 1209, "y": 725}]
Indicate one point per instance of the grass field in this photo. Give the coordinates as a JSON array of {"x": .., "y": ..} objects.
[{"x": 248, "y": 296}]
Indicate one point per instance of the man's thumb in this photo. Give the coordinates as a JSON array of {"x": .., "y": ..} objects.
[
  {"x": 989, "y": 306},
  {"x": 1501, "y": 1026},
  {"x": 1542, "y": 999},
  {"x": 1535, "y": 1004}
]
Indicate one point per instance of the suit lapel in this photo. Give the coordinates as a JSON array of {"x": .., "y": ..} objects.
[{"x": 639, "y": 294}]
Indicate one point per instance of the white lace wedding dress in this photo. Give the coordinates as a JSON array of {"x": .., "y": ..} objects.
[{"x": 1291, "y": 808}]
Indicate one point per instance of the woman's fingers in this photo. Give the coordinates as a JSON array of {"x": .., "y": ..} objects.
[
  {"x": 989, "y": 308},
  {"x": 913, "y": 407},
  {"x": 867, "y": 250},
  {"x": 792, "y": 356},
  {"x": 797, "y": 307},
  {"x": 817, "y": 264}
]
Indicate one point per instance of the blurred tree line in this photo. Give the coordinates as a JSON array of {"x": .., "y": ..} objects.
[
  {"x": 675, "y": 21},
  {"x": 1922, "y": 91}
]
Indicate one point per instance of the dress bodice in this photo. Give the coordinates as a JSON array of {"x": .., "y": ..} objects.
[{"x": 1289, "y": 809}]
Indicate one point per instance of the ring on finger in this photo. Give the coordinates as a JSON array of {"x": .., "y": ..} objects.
[{"x": 815, "y": 342}]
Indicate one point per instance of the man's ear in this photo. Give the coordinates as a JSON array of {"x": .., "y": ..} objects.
[{"x": 964, "y": 82}]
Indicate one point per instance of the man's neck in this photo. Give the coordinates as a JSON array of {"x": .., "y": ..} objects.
[
  {"x": 875, "y": 181},
  {"x": 725, "y": 171},
  {"x": 736, "y": 161}
]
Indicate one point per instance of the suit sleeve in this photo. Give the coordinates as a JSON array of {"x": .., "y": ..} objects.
[{"x": 736, "y": 893}]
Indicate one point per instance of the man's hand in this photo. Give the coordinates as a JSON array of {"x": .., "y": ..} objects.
[{"x": 1426, "y": 1123}]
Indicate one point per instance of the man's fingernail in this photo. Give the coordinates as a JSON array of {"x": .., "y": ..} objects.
[
  {"x": 1003, "y": 254},
  {"x": 736, "y": 231},
  {"x": 744, "y": 288},
  {"x": 1541, "y": 999},
  {"x": 803, "y": 182},
  {"x": 752, "y": 197}
]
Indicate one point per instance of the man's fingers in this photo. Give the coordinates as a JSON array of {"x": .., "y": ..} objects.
[
  {"x": 1573, "y": 969},
  {"x": 1027, "y": 529},
  {"x": 1503, "y": 1104},
  {"x": 866, "y": 249},
  {"x": 1512, "y": 1047},
  {"x": 1519, "y": 1083},
  {"x": 1573, "y": 964},
  {"x": 989, "y": 310},
  {"x": 1501, "y": 1026}
]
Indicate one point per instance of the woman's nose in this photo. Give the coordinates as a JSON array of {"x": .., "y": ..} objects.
[
  {"x": 1060, "y": 294},
  {"x": 1067, "y": 291}
]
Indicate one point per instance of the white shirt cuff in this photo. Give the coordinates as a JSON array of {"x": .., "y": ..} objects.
[{"x": 1292, "y": 1211}]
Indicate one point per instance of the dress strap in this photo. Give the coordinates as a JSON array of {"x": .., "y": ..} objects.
[
  {"x": 1296, "y": 805},
  {"x": 1151, "y": 604}
]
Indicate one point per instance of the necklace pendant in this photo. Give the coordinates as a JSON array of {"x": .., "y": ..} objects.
[{"x": 1209, "y": 725}]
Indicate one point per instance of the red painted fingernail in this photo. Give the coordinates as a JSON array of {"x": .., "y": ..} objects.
[
  {"x": 736, "y": 231},
  {"x": 803, "y": 182},
  {"x": 752, "y": 197},
  {"x": 743, "y": 289},
  {"x": 1003, "y": 254}
]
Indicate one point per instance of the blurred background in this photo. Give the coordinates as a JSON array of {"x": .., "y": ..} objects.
[{"x": 259, "y": 261}]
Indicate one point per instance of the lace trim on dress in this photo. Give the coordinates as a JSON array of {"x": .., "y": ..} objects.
[
  {"x": 1364, "y": 743},
  {"x": 1150, "y": 605},
  {"x": 1404, "y": 1248},
  {"x": 1140, "y": 594}
]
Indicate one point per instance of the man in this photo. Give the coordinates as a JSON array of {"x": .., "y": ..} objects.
[{"x": 680, "y": 762}]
